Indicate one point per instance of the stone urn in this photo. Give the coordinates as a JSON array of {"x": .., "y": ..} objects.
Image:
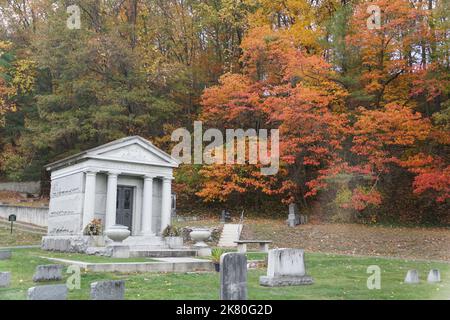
[
  {"x": 200, "y": 236},
  {"x": 117, "y": 233}
]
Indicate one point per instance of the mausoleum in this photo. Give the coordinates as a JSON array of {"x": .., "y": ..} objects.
[{"x": 125, "y": 182}]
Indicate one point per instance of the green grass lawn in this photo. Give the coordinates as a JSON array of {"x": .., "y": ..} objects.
[
  {"x": 17, "y": 237},
  {"x": 336, "y": 277}
]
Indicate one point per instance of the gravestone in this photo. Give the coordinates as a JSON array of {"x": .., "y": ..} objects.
[
  {"x": 285, "y": 267},
  {"x": 48, "y": 272},
  {"x": 434, "y": 276},
  {"x": 5, "y": 254},
  {"x": 108, "y": 290},
  {"x": 48, "y": 292},
  {"x": 293, "y": 217},
  {"x": 412, "y": 277},
  {"x": 303, "y": 219},
  {"x": 5, "y": 279},
  {"x": 233, "y": 276}
]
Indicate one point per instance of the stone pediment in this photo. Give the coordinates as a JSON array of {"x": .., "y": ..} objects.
[
  {"x": 132, "y": 152},
  {"x": 131, "y": 149}
]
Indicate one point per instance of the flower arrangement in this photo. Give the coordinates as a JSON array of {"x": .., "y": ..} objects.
[{"x": 94, "y": 228}]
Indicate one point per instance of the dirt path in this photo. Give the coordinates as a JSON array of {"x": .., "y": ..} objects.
[{"x": 415, "y": 243}]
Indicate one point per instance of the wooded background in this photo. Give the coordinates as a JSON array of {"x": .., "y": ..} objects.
[{"x": 363, "y": 113}]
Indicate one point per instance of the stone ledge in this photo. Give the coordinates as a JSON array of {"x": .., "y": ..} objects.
[
  {"x": 163, "y": 265},
  {"x": 71, "y": 243},
  {"x": 266, "y": 281}
]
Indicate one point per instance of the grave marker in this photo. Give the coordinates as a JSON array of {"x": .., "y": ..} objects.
[{"x": 233, "y": 276}]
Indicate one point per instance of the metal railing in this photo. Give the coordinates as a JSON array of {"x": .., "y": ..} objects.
[{"x": 241, "y": 224}]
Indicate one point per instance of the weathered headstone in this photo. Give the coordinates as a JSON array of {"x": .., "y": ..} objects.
[
  {"x": 5, "y": 279},
  {"x": 434, "y": 276},
  {"x": 293, "y": 217},
  {"x": 225, "y": 216},
  {"x": 48, "y": 292},
  {"x": 233, "y": 276},
  {"x": 412, "y": 277},
  {"x": 5, "y": 254},
  {"x": 286, "y": 267},
  {"x": 48, "y": 272},
  {"x": 108, "y": 290},
  {"x": 303, "y": 219}
]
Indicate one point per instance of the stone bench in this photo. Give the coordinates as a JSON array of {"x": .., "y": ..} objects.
[{"x": 263, "y": 245}]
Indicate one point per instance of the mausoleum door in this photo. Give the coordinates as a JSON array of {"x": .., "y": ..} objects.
[{"x": 124, "y": 213}]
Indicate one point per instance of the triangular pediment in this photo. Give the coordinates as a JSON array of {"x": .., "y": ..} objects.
[
  {"x": 130, "y": 149},
  {"x": 133, "y": 152},
  {"x": 133, "y": 149}
]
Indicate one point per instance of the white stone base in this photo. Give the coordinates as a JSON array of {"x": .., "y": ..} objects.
[
  {"x": 266, "y": 281},
  {"x": 119, "y": 251},
  {"x": 145, "y": 242},
  {"x": 74, "y": 243},
  {"x": 174, "y": 242},
  {"x": 203, "y": 251}
]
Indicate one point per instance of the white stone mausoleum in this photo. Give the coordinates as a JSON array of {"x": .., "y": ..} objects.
[{"x": 126, "y": 182}]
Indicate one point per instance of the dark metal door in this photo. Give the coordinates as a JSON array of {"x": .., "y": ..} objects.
[{"x": 124, "y": 215}]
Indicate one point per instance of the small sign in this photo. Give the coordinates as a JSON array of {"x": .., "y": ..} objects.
[{"x": 12, "y": 218}]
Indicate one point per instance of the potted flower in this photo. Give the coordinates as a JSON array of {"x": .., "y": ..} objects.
[
  {"x": 93, "y": 228},
  {"x": 216, "y": 253},
  {"x": 94, "y": 233},
  {"x": 172, "y": 236}
]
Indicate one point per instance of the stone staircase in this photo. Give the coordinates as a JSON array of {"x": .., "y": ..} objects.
[
  {"x": 230, "y": 233},
  {"x": 146, "y": 242},
  {"x": 155, "y": 247}
]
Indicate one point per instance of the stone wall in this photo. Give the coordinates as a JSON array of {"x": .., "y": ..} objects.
[
  {"x": 78, "y": 244},
  {"x": 32, "y": 187},
  {"x": 33, "y": 215}
]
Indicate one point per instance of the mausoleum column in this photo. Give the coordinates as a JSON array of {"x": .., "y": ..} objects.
[
  {"x": 147, "y": 205},
  {"x": 111, "y": 199},
  {"x": 166, "y": 202},
  {"x": 89, "y": 198}
]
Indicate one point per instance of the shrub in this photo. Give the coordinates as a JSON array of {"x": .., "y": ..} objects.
[
  {"x": 171, "y": 231},
  {"x": 216, "y": 253}
]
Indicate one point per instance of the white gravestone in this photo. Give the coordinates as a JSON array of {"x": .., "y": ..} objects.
[
  {"x": 293, "y": 217},
  {"x": 49, "y": 272},
  {"x": 5, "y": 279},
  {"x": 286, "y": 267},
  {"x": 434, "y": 276},
  {"x": 412, "y": 277},
  {"x": 5, "y": 254},
  {"x": 108, "y": 290}
]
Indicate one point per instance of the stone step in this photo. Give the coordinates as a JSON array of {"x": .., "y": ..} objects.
[
  {"x": 230, "y": 233},
  {"x": 163, "y": 253}
]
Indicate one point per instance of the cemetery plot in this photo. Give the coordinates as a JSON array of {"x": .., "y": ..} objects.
[{"x": 335, "y": 277}]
